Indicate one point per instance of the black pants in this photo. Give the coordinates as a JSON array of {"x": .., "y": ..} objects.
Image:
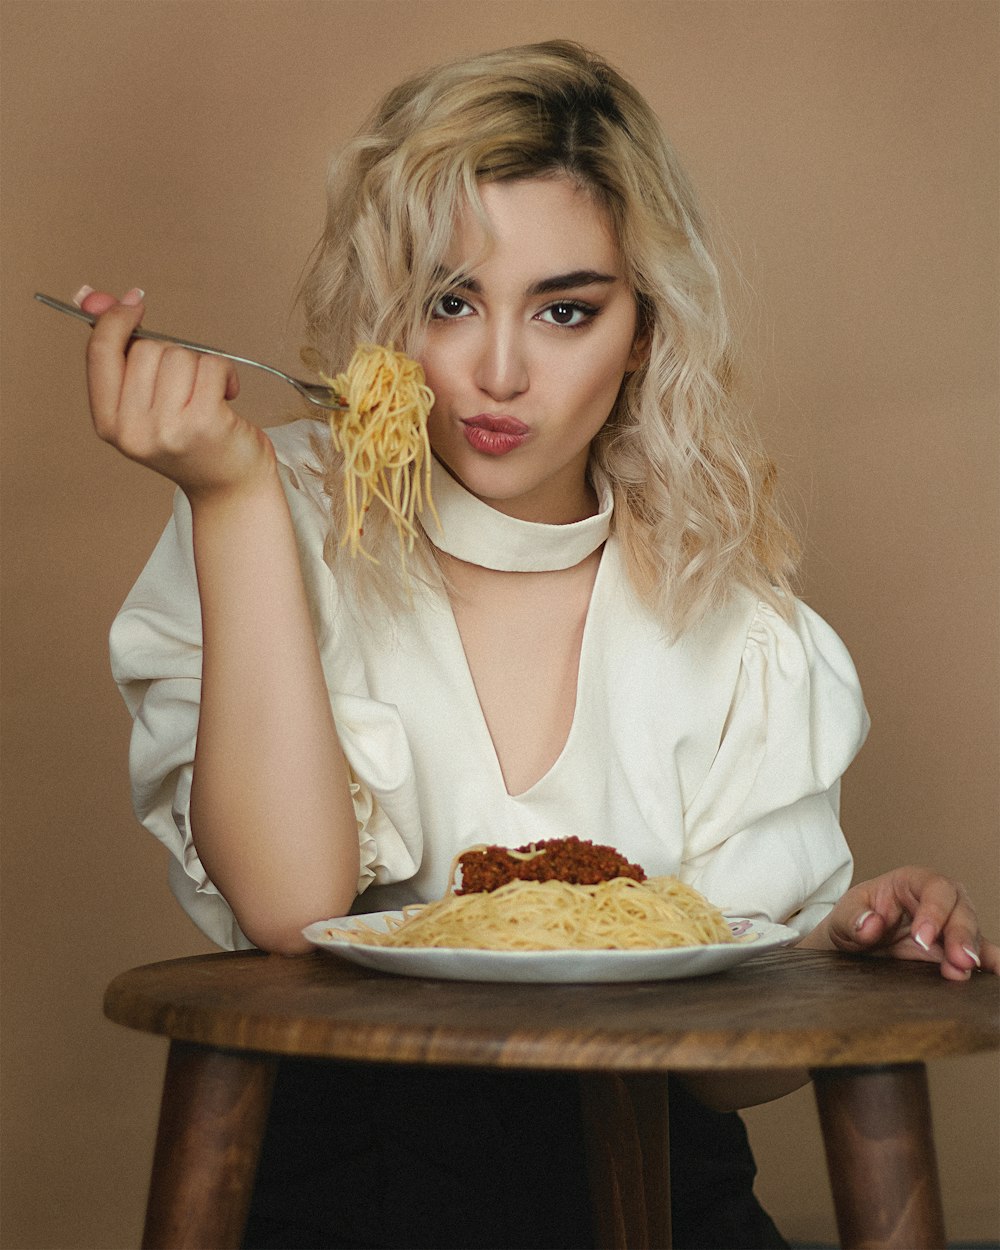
[{"x": 369, "y": 1157}]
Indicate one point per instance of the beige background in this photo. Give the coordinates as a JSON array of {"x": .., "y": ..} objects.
[{"x": 848, "y": 151}]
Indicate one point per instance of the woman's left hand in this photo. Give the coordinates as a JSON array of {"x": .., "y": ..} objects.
[{"x": 910, "y": 913}]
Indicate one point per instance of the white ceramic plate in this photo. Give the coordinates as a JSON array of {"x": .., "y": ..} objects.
[{"x": 565, "y": 967}]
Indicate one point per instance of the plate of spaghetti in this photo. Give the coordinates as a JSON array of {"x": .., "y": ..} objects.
[{"x": 562, "y": 910}]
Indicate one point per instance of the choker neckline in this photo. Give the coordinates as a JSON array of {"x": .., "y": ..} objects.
[{"x": 472, "y": 531}]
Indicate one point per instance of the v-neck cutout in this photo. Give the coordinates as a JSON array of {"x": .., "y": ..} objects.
[{"x": 467, "y": 678}]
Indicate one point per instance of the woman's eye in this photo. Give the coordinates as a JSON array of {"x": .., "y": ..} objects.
[
  {"x": 448, "y": 307},
  {"x": 569, "y": 315}
]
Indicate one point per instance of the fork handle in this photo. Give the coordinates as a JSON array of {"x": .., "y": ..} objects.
[
  {"x": 140, "y": 332},
  {"x": 312, "y": 391}
]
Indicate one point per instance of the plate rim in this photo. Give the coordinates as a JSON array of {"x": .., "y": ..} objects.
[{"x": 658, "y": 959}]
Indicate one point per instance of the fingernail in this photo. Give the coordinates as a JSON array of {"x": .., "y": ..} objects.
[
  {"x": 133, "y": 297},
  {"x": 82, "y": 294},
  {"x": 924, "y": 936},
  {"x": 862, "y": 918},
  {"x": 973, "y": 956}
]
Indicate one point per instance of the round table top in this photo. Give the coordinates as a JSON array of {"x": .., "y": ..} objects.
[{"x": 787, "y": 1008}]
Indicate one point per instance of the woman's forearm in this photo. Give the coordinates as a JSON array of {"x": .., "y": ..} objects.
[{"x": 271, "y": 811}]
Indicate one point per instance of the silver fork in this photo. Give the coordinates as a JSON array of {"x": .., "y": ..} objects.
[{"x": 315, "y": 392}]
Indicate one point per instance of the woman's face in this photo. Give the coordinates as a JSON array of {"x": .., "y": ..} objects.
[{"x": 526, "y": 353}]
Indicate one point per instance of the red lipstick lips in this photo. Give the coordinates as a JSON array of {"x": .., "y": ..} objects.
[{"x": 494, "y": 436}]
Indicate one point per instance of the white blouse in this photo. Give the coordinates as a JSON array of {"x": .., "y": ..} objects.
[{"x": 716, "y": 757}]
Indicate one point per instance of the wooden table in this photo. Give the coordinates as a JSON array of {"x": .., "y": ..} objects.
[{"x": 864, "y": 1027}]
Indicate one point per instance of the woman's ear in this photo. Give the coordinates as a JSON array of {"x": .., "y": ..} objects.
[
  {"x": 640, "y": 351},
  {"x": 645, "y": 321}
]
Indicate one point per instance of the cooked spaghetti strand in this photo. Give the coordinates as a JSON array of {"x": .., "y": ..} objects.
[
  {"x": 621, "y": 914},
  {"x": 382, "y": 437}
]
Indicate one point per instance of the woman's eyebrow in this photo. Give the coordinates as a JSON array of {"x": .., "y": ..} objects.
[
  {"x": 567, "y": 281},
  {"x": 545, "y": 286}
]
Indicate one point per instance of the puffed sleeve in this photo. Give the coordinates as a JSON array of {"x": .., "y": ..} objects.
[
  {"x": 763, "y": 831},
  {"x": 156, "y": 661}
]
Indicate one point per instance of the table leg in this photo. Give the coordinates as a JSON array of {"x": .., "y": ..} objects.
[
  {"x": 627, "y": 1126},
  {"x": 879, "y": 1145},
  {"x": 212, "y": 1119}
]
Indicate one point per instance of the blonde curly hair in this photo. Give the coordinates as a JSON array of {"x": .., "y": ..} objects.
[{"x": 695, "y": 509}]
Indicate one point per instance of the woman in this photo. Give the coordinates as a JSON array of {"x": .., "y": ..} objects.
[{"x": 599, "y": 637}]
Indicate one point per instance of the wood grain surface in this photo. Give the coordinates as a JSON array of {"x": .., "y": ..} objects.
[{"x": 788, "y": 1008}]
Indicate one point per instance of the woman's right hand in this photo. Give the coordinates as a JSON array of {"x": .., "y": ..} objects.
[{"x": 168, "y": 408}]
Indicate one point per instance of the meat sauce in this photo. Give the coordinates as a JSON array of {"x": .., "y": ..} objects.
[{"x": 575, "y": 860}]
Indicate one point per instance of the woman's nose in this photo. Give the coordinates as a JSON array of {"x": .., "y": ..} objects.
[{"x": 502, "y": 369}]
